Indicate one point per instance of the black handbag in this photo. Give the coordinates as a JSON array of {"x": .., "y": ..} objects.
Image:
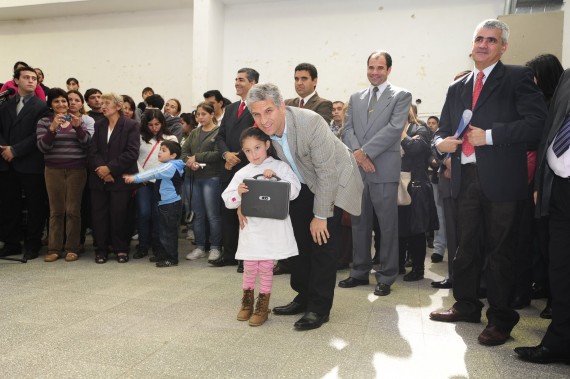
[{"x": 266, "y": 198}]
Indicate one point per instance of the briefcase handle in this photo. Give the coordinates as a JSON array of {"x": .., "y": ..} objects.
[{"x": 273, "y": 177}]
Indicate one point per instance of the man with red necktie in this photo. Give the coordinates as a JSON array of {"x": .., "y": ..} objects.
[
  {"x": 306, "y": 78},
  {"x": 489, "y": 176},
  {"x": 236, "y": 119}
]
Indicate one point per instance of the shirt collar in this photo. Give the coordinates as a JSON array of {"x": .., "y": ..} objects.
[
  {"x": 487, "y": 70},
  {"x": 381, "y": 87},
  {"x": 306, "y": 99}
]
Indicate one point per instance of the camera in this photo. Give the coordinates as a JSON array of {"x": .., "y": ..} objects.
[{"x": 67, "y": 117}]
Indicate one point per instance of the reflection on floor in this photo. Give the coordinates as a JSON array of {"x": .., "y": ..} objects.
[{"x": 83, "y": 320}]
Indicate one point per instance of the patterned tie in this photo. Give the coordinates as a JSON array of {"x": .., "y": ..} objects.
[
  {"x": 241, "y": 108},
  {"x": 467, "y": 148},
  {"x": 562, "y": 141},
  {"x": 302, "y": 103},
  {"x": 373, "y": 100}
]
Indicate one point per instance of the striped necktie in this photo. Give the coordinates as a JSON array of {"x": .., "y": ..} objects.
[{"x": 562, "y": 140}]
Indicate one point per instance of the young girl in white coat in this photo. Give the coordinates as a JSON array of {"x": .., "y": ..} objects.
[{"x": 261, "y": 240}]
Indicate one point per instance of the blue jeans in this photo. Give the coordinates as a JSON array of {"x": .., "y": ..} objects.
[
  {"x": 169, "y": 219},
  {"x": 187, "y": 193},
  {"x": 206, "y": 195},
  {"x": 440, "y": 237},
  {"x": 147, "y": 216}
]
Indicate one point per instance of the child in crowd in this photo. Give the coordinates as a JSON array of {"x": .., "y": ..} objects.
[
  {"x": 168, "y": 184},
  {"x": 261, "y": 240}
]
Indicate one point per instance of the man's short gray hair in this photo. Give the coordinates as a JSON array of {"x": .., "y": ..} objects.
[
  {"x": 494, "y": 24},
  {"x": 264, "y": 91}
]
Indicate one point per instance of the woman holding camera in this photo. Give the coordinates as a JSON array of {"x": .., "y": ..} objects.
[{"x": 64, "y": 140}]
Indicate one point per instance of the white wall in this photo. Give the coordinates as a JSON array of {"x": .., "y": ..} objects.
[
  {"x": 429, "y": 42},
  {"x": 114, "y": 52}
]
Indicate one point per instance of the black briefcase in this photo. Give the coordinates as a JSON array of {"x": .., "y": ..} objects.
[{"x": 266, "y": 198}]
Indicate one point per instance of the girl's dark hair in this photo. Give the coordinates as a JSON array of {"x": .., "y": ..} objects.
[
  {"x": 147, "y": 117},
  {"x": 128, "y": 99},
  {"x": 54, "y": 93},
  {"x": 547, "y": 70},
  {"x": 82, "y": 110},
  {"x": 190, "y": 119},
  {"x": 253, "y": 132}
]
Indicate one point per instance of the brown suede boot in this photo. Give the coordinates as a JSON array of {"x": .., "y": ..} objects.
[
  {"x": 261, "y": 310},
  {"x": 246, "y": 305}
]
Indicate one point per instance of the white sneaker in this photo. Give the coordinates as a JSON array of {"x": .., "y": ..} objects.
[
  {"x": 190, "y": 235},
  {"x": 195, "y": 254},
  {"x": 214, "y": 254}
]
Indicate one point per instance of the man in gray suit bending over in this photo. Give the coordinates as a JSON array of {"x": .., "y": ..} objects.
[
  {"x": 373, "y": 126},
  {"x": 330, "y": 182}
]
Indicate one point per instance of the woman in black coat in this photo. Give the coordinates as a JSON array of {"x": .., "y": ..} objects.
[
  {"x": 420, "y": 216},
  {"x": 113, "y": 152}
]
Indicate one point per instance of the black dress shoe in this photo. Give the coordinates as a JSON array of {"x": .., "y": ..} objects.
[
  {"x": 8, "y": 250},
  {"x": 520, "y": 302},
  {"x": 292, "y": 308},
  {"x": 436, "y": 258},
  {"x": 382, "y": 289},
  {"x": 351, "y": 282},
  {"x": 541, "y": 354},
  {"x": 445, "y": 283},
  {"x": 414, "y": 276},
  {"x": 30, "y": 254},
  {"x": 547, "y": 312},
  {"x": 311, "y": 320},
  {"x": 222, "y": 261}
]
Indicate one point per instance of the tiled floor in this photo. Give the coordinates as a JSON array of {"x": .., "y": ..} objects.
[{"x": 82, "y": 320}]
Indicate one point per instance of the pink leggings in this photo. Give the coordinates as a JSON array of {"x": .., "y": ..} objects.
[{"x": 265, "y": 271}]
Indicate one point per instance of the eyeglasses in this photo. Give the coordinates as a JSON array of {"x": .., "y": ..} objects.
[{"x": 28, "y": 77}]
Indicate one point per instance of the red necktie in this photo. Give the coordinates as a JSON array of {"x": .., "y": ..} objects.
[
  {"x": 467, "y": 148},
  {"x": 302, "y": 103},
  {"x": 241, "y": 108}
]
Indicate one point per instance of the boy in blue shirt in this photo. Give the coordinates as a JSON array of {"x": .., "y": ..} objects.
[{"x": 169, "y": 178}]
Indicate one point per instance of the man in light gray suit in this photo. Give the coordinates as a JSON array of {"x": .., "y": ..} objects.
[
  {"x": 373, "y": 126},
  {"x": 330, "y": 182}
]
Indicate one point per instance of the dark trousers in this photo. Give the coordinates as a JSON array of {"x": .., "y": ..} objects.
[
  {"x": 496, "y": 220},
  {"x": 313, "y": 271},
  {"x": 11, "y": 185},
  {"x": 230, "y": 228},
  {"x": 413, "y": 247},
  {"x": 109, "y": 215},
  {"x": 450, "y": 216},
  {"x": 557, "y": 336},
  {"x": 526, "y": 244},
  {"x": 169, "y": 219}
]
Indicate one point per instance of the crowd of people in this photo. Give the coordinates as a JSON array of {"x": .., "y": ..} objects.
[{"x": 368, "y": 170}]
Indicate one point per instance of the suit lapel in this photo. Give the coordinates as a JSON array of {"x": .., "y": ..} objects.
[
  {"x": 116, "y": 130},
  {"x": 467, "y": 91},
  {"x": 312, "y": 102},
  {"x": 558, "y": 120},
  {"x": 362, "y": 108}
]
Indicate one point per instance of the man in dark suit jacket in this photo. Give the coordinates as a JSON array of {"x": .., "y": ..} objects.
[
  {"x": 489, "y": 175},
  {"x": 553, "y": 185},
  {"x": 306, "y": 85},
  {"x": 236, "y": 119},
  {"x": 22, "y": 167}
]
